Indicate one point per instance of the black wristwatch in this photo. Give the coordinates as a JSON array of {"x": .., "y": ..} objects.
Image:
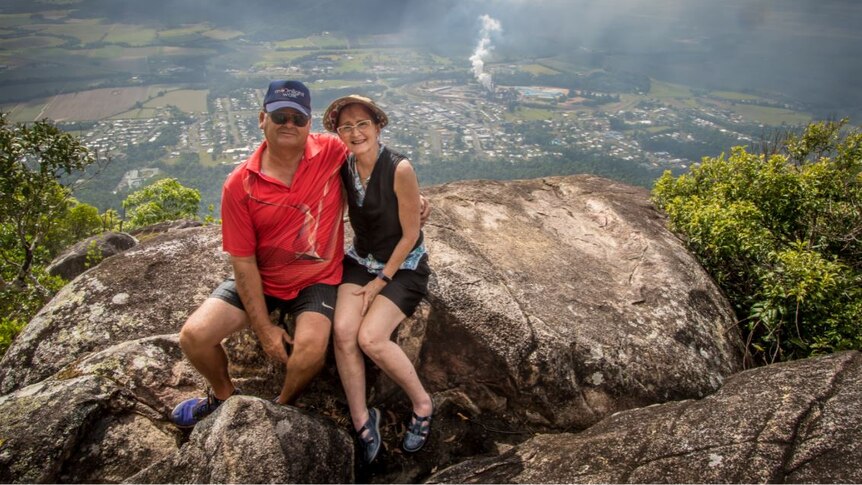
[{"x": 382, "y": 276}]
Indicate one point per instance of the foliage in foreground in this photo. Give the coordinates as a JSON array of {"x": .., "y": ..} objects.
[
  {"x": 781, "y": 233},
  {"x": 40, "y": 166},
  {"x": 38, "y": 215}
]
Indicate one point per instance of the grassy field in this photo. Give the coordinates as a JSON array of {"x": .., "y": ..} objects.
[
  {"x": 24, "y": 112},
  {"x": 733, "y": 96},
  {"x": 188, "y": 100},
  {"x": 770, "y": 116},
  {"x": 94, "y": 104},
  {"x": 662, "y": 90},
  {"x": 130, "y": 34},
  {"x": 273, "y": 57},
  {"x": 314, "y": 42},
  {"x": 538, "y": 69},
  {"x": 135, "y": 114},
  {"x": 14, "y": 20},
  {"x": 560, "y": 65},
  {"x": 222, "y": 34},
  {"x": 86, "y": 31},
  {"x": 31, "y": 42}
]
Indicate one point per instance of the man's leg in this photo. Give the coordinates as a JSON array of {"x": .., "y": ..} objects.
[
  {"x": 200, "y": 339},
  {"x": 310, "y": 340}
]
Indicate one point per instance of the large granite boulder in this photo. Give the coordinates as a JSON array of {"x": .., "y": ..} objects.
[
  {"x": 558, "y": 301},
  {"x": 250, "y": 440},
  {"x": 103, "y": 419},
  {"x": 99, "y": 419},
  {"x": 89, "y": 252},
  {"x": 798, "y": 422},
  {"x": 144, "y": 291},
  {"x": 553, "y": 304}
]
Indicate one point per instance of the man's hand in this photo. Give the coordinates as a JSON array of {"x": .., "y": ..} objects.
[
  {"x": 424, "y": 210},
  {"x": 272, "y": 339}
]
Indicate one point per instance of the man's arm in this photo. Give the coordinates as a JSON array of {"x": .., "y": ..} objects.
[
  {"x": 424, "y": 210},
  {"x": 250, "y": 288}
]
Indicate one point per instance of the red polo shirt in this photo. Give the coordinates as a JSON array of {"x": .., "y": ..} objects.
[{"x": 296, "y": 233}]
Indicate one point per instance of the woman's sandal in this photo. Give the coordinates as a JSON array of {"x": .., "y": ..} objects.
[
  {"x": 371, "y": 441},
  {"x": 417, "y": 432}
]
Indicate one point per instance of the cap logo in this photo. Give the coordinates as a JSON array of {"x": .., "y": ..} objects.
[{"x": 290, "y": 93}]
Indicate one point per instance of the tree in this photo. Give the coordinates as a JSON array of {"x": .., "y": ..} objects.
[
  {"x": 38, "y": 216},
  {"x": 164, "y": 200},
  {"x": 36, "y": 162},
  {"x": 781, "y": 233}
]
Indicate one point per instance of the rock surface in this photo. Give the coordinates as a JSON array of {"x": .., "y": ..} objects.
[
  {"x": 249, "y": 440},
  {"x": 147, "y": 290},
  {"x": 553, "y": 304},
  {"x": 99, "y": 419},
  {"x": 558, "y": 301},
  {"x": 798, "y": 422},
  {"x": 74, "y": 260}
]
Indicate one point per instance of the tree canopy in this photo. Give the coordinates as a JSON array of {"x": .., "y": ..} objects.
[
  {"x": 38, "y": 215},
  {"x": 781, "y": 232},
  {"x": 164, "y": 200}
]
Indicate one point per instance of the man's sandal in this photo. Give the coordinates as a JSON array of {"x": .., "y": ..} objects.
[{"x": 417, "y": 433}]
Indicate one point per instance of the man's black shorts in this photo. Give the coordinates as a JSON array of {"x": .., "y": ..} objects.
[{"x": 317, "y": 298}]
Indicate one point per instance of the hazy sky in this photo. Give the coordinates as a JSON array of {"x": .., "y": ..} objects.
[{"x": 808, "y": 49}]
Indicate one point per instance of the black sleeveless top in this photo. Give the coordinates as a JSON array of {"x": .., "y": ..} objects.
[{"x": 375, "y": 224}]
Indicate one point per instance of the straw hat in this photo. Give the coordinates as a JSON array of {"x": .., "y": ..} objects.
[{"x": 330, "y": 116}]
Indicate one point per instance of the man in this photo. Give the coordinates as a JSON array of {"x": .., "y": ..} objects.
[{"x": 282, "y": 226}]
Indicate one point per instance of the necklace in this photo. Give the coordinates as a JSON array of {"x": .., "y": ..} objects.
[{"x": 354, "y": 167}]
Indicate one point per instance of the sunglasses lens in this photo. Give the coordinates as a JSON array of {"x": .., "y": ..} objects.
[{"x": 280, "y": 118}]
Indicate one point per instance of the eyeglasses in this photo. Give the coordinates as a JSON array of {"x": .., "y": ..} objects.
[
  {"x": 281, "y": 117},
  {"x": 348, "y": 129}
]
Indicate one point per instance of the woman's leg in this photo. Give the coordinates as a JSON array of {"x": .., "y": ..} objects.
[
  {"x": 374, "y": 339},
  {"x": 348, "y": 357}
]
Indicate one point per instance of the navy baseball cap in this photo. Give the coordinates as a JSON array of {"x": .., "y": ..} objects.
[{"x": 287, "y": 94}]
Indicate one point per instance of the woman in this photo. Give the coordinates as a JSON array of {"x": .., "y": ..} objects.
[{"x": 385, "y": 271}]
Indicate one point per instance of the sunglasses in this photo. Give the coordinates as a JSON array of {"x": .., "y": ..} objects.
[{"x": 280, "y": 118}]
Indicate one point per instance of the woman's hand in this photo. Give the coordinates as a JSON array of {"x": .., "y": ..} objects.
[{"x": 369, "y": 293}]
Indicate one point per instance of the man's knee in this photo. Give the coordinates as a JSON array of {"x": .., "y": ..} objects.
[
  {"x": 210, "y": 324},
  {"x": 312, "y": 339}
]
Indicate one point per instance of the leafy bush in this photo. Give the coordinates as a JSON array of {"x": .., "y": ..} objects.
[
  {"x": 164, "y": 200},
  {"x": 781, "y": 233},
  {"x": 19, "y": 304}
]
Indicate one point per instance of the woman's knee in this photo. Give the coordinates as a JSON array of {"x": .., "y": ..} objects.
[
  {"x": 344, "y": 336},
  {"x": 370, "y": 342}
]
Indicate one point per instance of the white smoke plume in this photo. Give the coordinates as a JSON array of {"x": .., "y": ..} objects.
[{"x": 483, "y": 48}]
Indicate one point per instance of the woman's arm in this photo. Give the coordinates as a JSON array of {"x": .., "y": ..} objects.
[{"x": 407, "y": 192}]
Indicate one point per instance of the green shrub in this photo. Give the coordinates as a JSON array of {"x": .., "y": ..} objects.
[{"x": 782, "y": 236}]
